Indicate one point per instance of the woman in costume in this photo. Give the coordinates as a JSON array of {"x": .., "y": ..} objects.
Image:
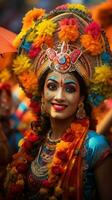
[{"x": 62, "y": 57}]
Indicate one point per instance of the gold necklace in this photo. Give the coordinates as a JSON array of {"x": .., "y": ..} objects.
[{"x": 39, "y": 166}]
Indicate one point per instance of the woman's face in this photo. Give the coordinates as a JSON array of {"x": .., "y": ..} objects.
[{"x": 61, "y": 95}]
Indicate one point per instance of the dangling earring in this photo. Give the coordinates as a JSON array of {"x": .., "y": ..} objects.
[{"x": 80, "y": 114}]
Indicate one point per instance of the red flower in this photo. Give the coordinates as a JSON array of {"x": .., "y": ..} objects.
[
  {"x": 22, "y": 167},
  {"x": 27, "y": 145},
  {"x": 62, "y": 155},
  {"x": 34, "y": 51},
  {"x": 68, "y": 137},
  {"x": 33, "y": 137},
  {"x": 68, "y": 21},
  {"x": 94, "y": 29},
  {"x": 62, "y": 7},
  {"x": 46, "y": 183},
  {"x": 57, "y": 170}
]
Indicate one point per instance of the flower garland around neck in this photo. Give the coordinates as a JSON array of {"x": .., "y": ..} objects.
[{"x": 17, "y": 170}]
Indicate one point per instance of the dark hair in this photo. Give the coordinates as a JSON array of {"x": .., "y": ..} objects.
[{"x": 83, "y": 93}]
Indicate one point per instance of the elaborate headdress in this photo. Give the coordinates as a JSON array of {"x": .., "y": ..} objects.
[{"x": 66, "y": 39}]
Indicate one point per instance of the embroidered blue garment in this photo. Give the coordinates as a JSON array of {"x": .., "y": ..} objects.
[{"x": 95, "y": 146}]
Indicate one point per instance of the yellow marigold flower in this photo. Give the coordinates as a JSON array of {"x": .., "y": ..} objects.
[
  {"x": 31, "y": 36},
  {"x": 20, "y": 142},
  {"x": 31, "y": 17},
  {"x": 63, "y": 145},
  {"x": 21, "y": 64},
  {"x": 68, "y": 33},
  {"x": 5, "y": 75},
  {"x": 46, "y": 27},
  {"x": 94, "y": 46},
  {"x": 102, "y": 74},
  {"x": 29, "y": 81},
  {"x": 48, "y": 40},
  {"x": 77, "y": 6},
  {"x": 18, "y": 38}
]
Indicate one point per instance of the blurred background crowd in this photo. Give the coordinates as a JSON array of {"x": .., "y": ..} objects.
[{"x": 11, "y": 12}]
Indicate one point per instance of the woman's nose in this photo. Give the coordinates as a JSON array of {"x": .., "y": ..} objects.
[{"x": 60, "y": 95}]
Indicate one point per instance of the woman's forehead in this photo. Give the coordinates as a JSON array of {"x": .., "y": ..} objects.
[{"x": 59, "y": 76}]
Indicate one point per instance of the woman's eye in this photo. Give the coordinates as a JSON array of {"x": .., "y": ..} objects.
[
  {"x": 52, "y": 86},
  {"x": 70, "y": 89}
]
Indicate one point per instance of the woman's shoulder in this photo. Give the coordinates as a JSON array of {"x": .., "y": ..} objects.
[
  {"x": 97, "y": 147},
  {"x": 95, "y": 140}
]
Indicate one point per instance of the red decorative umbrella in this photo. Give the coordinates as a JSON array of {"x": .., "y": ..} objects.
[{"x": 6, "y": 41}]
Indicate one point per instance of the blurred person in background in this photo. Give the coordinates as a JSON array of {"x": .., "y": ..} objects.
[
  {"x": 4, "y": 159},
  {"x": 8, "y": 120}
]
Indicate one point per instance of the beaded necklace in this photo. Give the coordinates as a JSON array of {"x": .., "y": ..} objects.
[{"x": 39, "y": 166}]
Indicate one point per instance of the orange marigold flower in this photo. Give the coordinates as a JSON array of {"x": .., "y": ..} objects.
[
  {"x": 68, "y": 33},
  {"x": 48, "y": 40},
  {"x": 32, "y": 16},
  {"x": 29, "y": 81},
  {"x": 63, "y": 145},
  {"x": 94, "y": 46}
]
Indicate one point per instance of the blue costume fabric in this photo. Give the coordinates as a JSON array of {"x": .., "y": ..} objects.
[{"x": 95, "y": 148}]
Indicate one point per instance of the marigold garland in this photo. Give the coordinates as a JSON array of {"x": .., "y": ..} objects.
[
  {"x": 5, "y": 75},
  {"x": 94, "y": 46},
  {"x": 31, "y": 36},
  {"x": 29, "y": 81},
  {"x": 69, "y": 30},
  {"x": 102, "y": 74},
  {"x": 21, "y": 64},
  {"x": 102, "y": 81},
  {"x": 19, "y": 37},
  {"x": 48, "y": 40},
  {"x": 31, "y": 17},
  {"x": 46, "y": 27},
  {"x": 93, "y": 29},
  {"x": 77, "y": 6}
]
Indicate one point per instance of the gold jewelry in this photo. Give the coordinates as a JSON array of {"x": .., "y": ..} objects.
[{"x": 80, "y": 114}]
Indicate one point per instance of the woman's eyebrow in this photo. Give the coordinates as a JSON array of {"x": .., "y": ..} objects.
[
  {"x": 52, "y": 78},
  {"x": 70, "y": 82}
]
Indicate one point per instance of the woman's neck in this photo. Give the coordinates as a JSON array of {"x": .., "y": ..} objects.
[{"x": 59, "y": 126}]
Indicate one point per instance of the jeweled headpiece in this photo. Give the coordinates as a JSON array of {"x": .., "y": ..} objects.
[{"x": 65, "y": 40}]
